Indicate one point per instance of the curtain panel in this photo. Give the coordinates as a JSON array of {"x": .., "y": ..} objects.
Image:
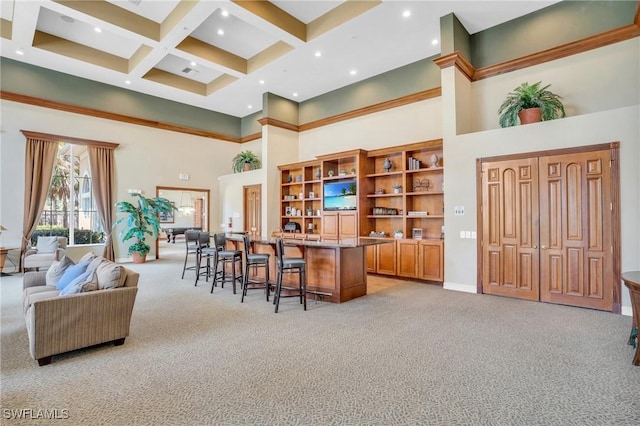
[
  {"x": 39, "y": 160},
  {"x": 41, "y": 151},
  {"x": 102, "y": 170}
]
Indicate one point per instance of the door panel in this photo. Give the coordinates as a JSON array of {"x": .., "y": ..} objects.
[
  {"x": 510, "y": 233},
  {"x": 575, "y": 230}
]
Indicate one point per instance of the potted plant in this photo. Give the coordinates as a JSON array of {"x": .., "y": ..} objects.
[
  {"x": 397, "y": 188},
  {"x": 141, "y": 219},
  {"x": 530, "y": 99},
  {"x": 245, "y": 161}
]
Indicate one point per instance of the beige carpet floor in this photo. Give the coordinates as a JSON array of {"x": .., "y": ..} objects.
[{"x": 407, "y": 354}]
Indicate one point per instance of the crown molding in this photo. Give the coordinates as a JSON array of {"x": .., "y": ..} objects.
[
  {"x": 382, "y": 106},
  {"x": 580, "y": 46},
  {"x": 606, "y": 38},
  {"x": 456, "y": 59},
  {"x": 31, "y": 100},
  {"x": 266, "y": 121}
]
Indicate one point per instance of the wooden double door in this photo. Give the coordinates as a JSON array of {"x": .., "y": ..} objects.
[{"x": 548, "y": 228}]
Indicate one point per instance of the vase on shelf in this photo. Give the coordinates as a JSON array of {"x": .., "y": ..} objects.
[{"x": 387, "y": 165}]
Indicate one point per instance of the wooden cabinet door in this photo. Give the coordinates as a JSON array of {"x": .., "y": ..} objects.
[
  {"x": 575, "y": 230},
  {"x": 407, "y": 258},
  {"x": 510, "y": 263},
  {"x": 386, "y": 258},
  {"x": 431, "y": 261},
  {"x": 371, "y": 254},
  {"x": 348, "y": 225},
  {"x": 330, "y": 225}
]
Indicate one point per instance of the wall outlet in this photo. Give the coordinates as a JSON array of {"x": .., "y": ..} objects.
[{"x": 458, "y": 210}]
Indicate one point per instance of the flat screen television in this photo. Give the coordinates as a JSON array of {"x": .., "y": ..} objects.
[{"x": 340, "y": 195}]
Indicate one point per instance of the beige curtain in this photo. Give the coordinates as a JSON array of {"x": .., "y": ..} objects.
[
  {"x": 102, "y": 167},
  {"x": 39, "y": 160}
]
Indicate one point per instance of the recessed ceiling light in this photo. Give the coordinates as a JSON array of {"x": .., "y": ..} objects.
[
  {"x": 220, "y": 31},
  {"x": 318, "y": 54},
  {"x": 406, "y": 13},
  {"x": 295, "y": 94},
  {"x": 97, "y": 29},
  {"x": 127, "y": 82},
  {"x": 19, "y": 52},
  {"x": 193, "y": 64},
  {"x": 224, "y": 13},
  {"x": 261, "y": 82},
  {"x": 434, "y": 41},
  {"x": 250, "y": 106},
  {"x": 353, "y": 72}
]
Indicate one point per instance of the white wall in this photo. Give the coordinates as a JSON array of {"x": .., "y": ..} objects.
[
  {"x": 593, "y": 81},
  {"x": 602, "y": 96},
  {"x": 146, "y": 158},
  {"x": 411, "y": 123}
]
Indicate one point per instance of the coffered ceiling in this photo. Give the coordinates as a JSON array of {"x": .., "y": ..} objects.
[{"x": 223, "y": 55}]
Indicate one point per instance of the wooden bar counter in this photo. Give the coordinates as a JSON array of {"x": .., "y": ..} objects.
[{"x": 336, "y": 271}]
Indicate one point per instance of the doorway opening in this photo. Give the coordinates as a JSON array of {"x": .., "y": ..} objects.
[{"x": 192, "y": 213}]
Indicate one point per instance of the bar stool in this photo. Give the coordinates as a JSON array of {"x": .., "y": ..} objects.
[
  {"x": 224, "y": 258},
  {"x": 290, "y": 265},
  {"x": 255, "y": 260},
  {"x": 205, "y": 253},
  {"x": 191, "y": 240}
]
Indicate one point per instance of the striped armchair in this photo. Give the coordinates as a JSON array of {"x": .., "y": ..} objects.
[{"x": 58, "y": 324}]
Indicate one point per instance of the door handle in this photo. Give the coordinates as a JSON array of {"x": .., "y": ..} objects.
[
  {"x": 543, "y": 247},
  {"x": 535, "y": 247}
]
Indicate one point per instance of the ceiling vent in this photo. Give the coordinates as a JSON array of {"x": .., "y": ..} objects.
[{"x": 190, "y": 71}]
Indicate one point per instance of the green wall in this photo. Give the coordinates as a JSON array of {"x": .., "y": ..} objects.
[
  {"x": 552, "y": 26},
  {"x": 30, "y": 80},
  {"x": 412, "y": 78},
  {"x": 560, "y": 23}
]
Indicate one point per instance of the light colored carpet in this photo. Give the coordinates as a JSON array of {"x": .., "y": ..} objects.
[{"x": 407, "y": 354}]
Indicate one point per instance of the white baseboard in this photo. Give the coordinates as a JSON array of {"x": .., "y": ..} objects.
[
  {"x": 466, "y": 288},
  {"x": 626, "y": 310}
]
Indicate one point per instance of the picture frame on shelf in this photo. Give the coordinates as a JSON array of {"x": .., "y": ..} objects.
[{"x": 416, "y": 233}]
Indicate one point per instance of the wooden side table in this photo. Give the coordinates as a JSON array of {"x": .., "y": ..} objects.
[
  {"x": 3, "y": 258},
  {"x": 632, "y": 281}
]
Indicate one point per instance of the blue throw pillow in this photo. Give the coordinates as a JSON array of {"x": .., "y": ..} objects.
[
  {"x": 76, "y": 285},
  {"x": 71, "y": 273}
]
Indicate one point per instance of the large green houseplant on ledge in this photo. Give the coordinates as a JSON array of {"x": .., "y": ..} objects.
[
  {"x": 141, "y": 219},
  {"x": 530, "y": 98},
  {"x": 244, "y": 161}
]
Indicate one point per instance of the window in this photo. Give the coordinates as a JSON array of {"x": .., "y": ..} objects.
[{"x": 70, "y": 209}]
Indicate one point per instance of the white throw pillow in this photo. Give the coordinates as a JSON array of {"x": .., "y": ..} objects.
[
  {"x": 110, "y": 275},
  {"x": 56, "y": 270},
  {"x": 47, "y": 244}
]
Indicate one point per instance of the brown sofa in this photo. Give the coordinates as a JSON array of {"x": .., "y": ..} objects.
[{"x": 58, "y": 324}]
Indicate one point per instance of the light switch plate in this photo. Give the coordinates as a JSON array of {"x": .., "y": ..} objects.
[
  {"x": 473, "y": 235},
  {"x": 461, "y": 234},
  {"x": 467, "y": 234}
]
